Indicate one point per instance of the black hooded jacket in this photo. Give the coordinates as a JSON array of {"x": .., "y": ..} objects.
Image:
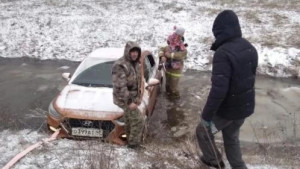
[{"x": 232, "y": 95}]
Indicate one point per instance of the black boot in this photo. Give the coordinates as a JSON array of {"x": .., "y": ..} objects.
[{"x": 221, "y": 164}]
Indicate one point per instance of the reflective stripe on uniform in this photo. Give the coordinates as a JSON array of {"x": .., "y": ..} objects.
[{"x": 174, "y": 74}]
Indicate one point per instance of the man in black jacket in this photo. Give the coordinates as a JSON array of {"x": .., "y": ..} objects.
[{"x": 232, "y": 95}]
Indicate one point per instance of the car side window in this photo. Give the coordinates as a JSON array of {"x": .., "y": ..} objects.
[{"x": 149, "y": 67}]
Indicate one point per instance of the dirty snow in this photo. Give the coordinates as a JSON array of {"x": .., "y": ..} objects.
[
  {"x": 72, "y": 29},
  {"x": 262, "y": 167},
  {"x": 64, "y": 153}
]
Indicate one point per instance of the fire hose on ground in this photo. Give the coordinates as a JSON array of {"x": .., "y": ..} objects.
[{"x": 19, "y": 156}]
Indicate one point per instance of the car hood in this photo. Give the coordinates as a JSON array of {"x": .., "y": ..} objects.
[{"x": 87, "y": 102}]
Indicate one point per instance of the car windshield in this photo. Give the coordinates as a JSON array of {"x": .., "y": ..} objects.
[{"x": 98, "y": 75}]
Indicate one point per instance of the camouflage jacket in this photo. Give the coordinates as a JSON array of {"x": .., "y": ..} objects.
[{"x": 126, "y": 78}]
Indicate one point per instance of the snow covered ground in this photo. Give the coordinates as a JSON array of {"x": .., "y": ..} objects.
[
  {"x": 71, "y": 29},
  {"x": 94, "y": 154}
]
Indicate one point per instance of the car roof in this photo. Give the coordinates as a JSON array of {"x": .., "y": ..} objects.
[{"x": 107, "y": 54}]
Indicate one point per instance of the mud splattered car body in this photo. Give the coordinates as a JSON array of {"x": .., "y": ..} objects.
[{"x": 85, "y": 108}]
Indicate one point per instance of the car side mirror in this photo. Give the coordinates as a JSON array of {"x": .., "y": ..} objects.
[
  {"x": 66, "y": 76},
  {"x": 152, "y": 82}
]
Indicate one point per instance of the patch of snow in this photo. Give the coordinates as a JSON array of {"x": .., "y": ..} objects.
[
  {"x": 263, "y": 167},
  {"x": 42, "y": 88},
  {"x": 64, "y": 67},
  {"x": 292, "y": 90},
  {"x": 277, "y": 61},
  {"x": 110, "y": 53},
  {"x": 88, "y": 98},
  {"x": 2, "y": 47},
  {"x": 64, "y": 153}
]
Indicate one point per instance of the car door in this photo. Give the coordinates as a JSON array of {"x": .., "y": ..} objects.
[{"x": 151, "y": 71}]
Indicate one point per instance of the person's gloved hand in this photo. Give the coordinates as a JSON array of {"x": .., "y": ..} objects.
[
  {"x": 133, "y": 106},
  {"x": 160, "y": 53},
  {"x": 163, "y": 59},
  {"x": 168, "y": 54},
  {"x": 211, "y": 125}
]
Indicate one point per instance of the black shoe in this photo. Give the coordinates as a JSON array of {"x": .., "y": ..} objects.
[
  {"x": 173, "y": 97},
  {"x": 221, "y": 163}
]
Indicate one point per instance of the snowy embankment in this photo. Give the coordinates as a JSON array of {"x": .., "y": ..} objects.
[{"x": 55, "y": 29}]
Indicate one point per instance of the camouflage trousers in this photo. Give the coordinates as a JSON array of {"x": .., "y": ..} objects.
[
  {"x": 133, "y": 126},
  {"x": 172, "y": 81}
]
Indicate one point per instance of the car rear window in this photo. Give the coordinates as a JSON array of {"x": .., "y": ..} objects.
[{"x": 98, "y": 75}]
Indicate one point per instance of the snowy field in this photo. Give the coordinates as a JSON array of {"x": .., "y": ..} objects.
[{"x": 71, "y": 29}]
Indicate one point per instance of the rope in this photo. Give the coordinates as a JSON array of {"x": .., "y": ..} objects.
[
  {"x": 14, "y": 160},
  {"x": 211, "y": 143}
]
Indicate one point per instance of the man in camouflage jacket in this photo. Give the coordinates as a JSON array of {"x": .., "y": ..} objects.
[{"x": 126, "y": 77}]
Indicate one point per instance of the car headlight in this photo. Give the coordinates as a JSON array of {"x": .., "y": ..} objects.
[{"x": 53, "y": 113}]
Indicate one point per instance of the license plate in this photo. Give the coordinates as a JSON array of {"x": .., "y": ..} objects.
[{"x": 87, "y": 132}]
